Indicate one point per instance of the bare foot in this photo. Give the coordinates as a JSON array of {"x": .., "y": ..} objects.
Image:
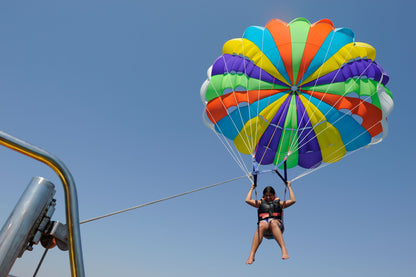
[
  {"x": 250, "y": 260},
  {"x": 285, "y": 256}
]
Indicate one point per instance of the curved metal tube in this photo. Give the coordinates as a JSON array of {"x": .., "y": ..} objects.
[{"x": 71, "y": 200}]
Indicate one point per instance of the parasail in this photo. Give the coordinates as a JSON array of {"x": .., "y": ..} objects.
[{"x": 300, "y": 93}]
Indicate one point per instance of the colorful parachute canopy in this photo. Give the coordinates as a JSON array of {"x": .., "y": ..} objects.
[{"x": 303, "y": 92}]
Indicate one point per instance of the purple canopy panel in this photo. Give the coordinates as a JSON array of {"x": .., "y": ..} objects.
[
  {"x": 353, "y": 69},
  {"x": 269, "y": 141},
  {"x": 386, "y": 76},
  {"x": 231, "y": 63},
  {"x": 309, "y": 150}
]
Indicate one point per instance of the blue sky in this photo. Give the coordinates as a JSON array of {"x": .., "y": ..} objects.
[{"x": 112, "y": 89}]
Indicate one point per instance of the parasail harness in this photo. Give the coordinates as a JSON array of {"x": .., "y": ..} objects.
[{"x": 283, "y": 177}]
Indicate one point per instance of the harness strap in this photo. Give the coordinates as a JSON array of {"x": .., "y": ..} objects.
[{"x": 267, "y": 215}]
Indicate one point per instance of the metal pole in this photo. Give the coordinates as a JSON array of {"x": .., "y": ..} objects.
[
  {"x": 71, "y": 201},
  {"x": 19, "y": 227}
]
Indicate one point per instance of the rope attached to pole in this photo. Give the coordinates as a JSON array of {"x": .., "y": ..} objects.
[{"x": 163, "y": 199}]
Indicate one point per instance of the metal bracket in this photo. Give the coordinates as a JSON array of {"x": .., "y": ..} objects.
[
  {"x": 40, "y": 226},
  {"x": 56, "y": 234}
]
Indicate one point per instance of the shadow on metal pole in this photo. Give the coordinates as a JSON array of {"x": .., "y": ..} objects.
[{"x": 71, "y": 200}]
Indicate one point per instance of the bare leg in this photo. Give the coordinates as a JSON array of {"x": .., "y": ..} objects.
[
  {"x": 278, "y": 236},
  {"x": 257, "y": 239}
]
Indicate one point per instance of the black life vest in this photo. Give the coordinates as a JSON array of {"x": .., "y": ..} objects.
[{"x": 270, "y": 209}]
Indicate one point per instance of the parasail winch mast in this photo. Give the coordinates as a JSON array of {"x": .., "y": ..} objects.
[{"x": 71, "y": 201}]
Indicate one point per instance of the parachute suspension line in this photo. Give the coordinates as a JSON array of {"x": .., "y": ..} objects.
[
  {"x": 263, "y": 125},
  {"x": 291, "y": 146},
  {"x": 334, "y": 159},
  {"x": 259, "y": 88},
  {"x": 269, "y": 98},
  {"x": 313, "y": 90},
  {"x": 163, "y": 199},
  {"x": 326, "y": 92},
  {"x": 291, "y": 140},
  {"x": 234, "y": 154},
  {"x": 237, "y": 157},
  {"x": 223, "y": 105},
  {"x": 274, "y": 132},
  {"x": 301, "y": 143},
  {"x": 308, "y": 103},
  {"x": 332, "y": 107},
  {"x": 237, "y": 106},
  {"x": 251, "y": 143},
  {"x": 324, "y": 165},
  {"x": 351, "y": 142},
  {"x": 284, "y": 131}
]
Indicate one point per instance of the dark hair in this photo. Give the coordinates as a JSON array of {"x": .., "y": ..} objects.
[{"x": 269, "y": 189}]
